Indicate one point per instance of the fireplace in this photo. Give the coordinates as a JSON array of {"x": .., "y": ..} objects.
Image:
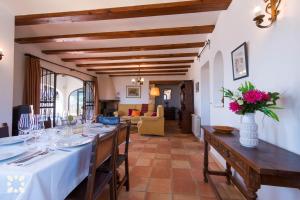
[{"x": 108, "y": 107}]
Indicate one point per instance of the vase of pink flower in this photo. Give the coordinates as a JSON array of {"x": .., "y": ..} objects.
[{"x": 246, "y": 102}]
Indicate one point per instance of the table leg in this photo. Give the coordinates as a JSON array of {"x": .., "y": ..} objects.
[
  {"x": 253, "y": 183},
  {"x": 228, "y": 172},
  {"x": 251, "y": 193},
  {"x": 205, "y": 169}
]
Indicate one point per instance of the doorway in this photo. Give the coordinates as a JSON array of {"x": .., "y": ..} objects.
[
  {"x": 170, "y": 99},
  {"x": 70, "y": 98},
  {"x": 64, "y": 95},
  {"x": 205, "y": 95}
]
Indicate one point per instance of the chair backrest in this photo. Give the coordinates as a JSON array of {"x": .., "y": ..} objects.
[
  {"x": 102, "y": 149},
  {"x": 124, "y": 134},
  {"x": 160, "y": 111},
  {"x": 48, "y": 123},
  {"x": 105, "y": 148},
  {"x": 4, "y": 130}
]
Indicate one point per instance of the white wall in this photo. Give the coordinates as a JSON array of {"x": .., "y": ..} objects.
[
  {"x": 274, "y": 66},
  {"x": 7, "y": 28},
  {"x": 120, "y": 84}
]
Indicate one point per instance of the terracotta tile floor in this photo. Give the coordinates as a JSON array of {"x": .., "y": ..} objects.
[{"x": 166, "y": 168}]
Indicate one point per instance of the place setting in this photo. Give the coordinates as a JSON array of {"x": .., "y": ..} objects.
[{"x": 35, "y": 142}]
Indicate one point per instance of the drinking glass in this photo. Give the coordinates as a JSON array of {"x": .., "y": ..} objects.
[
  {"x": 37, "y": 127},
  {"x": 89, "y": 117},
  {"x": 25, "y": 124}
]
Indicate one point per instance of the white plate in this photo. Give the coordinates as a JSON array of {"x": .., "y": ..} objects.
[
  {"x": 73, "y": 141},
  {"x": 13, "y": 140},
  {"x": 97, "y": 125},
  {"x": 7, "y": 153}
]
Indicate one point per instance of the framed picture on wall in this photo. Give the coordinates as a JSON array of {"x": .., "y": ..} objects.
[
  {"x": 133, "y": 91},
  {"x": 239, "y": 58},
  {"x": 197, "y": 87}
]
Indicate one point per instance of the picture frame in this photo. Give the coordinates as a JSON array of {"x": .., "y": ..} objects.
[
  {"x": 240, "y": 66},
  {"x": 167, "y": 94},
  {"x": 133, "y": 91}
]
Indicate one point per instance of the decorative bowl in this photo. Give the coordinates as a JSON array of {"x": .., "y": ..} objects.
[{"x": 223, "y": 129}]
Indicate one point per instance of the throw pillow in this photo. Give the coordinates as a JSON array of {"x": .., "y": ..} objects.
[
  {"x": 135, "y": 113},
  {"x": 130, "y": 111}
]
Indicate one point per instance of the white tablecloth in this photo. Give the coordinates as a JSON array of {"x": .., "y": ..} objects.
[{"x": 51, "y": 178}]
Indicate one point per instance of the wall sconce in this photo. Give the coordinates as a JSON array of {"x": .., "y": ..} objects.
[
  {"x": 1, "y": 54},
  {"x": 271, "y": 9}
]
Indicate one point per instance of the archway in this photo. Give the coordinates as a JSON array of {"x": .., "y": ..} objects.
[
  {"x": 205, "y": 95},
  {"x": 67, "y": 85},
  {"x": 218, "y": 80}
]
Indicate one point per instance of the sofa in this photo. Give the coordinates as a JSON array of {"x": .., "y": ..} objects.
[
  {"x": 124, "y": 108},
  {"x": 149, "y": 125}
]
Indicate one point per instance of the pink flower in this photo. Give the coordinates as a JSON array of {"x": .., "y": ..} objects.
[
  {"x": 255, "y": 96},
  {"x": 266, "y": 96},
  {"x": 234, "y": 107}
]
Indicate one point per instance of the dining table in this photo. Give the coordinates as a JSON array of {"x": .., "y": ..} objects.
[{"x": 52, "y": 175}]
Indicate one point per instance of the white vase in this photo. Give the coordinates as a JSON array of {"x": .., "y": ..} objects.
[{"x": 249, "y": 131}]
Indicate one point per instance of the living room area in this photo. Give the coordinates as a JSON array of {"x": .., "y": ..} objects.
[{"x": 150, "y": 105}]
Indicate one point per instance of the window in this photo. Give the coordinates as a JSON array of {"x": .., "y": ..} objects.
[
  {"x": 167, "y": 94},
  {"x": 75, "y": 103},
  {"x": 89, "y": 97},
  {"x": 48, "y": 94}
]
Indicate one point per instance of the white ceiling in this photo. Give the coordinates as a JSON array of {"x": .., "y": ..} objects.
[
  {"x": 20, "y": 7},
  {"x": 25, "y": 7}
]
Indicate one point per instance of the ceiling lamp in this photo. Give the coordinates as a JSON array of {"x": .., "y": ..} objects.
[
  {"x": 138, "y": 80},
  {"x": 272, "y": 9}
]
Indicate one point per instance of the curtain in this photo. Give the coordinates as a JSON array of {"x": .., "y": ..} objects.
[
  {"x": 96, "y": 97},
  {"x": 32, "y": 83}
]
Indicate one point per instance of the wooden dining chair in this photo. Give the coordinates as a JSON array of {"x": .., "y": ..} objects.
[
  {"x": 4, "y": 130},
  {"x": 122, "y": 157},
  {"x": 48, "y": 123},
  {"x": 92, "y": 187}
]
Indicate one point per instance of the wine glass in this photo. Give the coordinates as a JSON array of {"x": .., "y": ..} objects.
[
  {"x": 36, "y": 126},
  {"x": 89, "y": 117},
  {"x": 25, "y": 124}
]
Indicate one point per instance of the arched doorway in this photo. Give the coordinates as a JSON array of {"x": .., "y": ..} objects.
[
  {"x": 63, "y": 95},
  {"x": 218, "y": 80},
  {"x": 71, "y": 99},
  {"x": 205, "y": 95}
]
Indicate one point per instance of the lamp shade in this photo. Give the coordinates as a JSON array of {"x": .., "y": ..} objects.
[{"x": 155, "y": 91}]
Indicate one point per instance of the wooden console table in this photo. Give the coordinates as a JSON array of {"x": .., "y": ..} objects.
[{"x": 266, "y": 164}]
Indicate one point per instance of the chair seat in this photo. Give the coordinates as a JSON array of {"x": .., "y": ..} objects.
[{"x": 101, "y": 180}]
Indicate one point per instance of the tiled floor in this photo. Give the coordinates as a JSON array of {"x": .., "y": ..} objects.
[{"x": 166, "y": 168}]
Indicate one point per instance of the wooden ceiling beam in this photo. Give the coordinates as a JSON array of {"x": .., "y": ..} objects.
[
  {"x": 125, "y": 49},
  {"x": 165, "y": 74},
  {"x": 118, "y": 35},
  {"x": 168, "y": 82},
  {"x": 142, "y": 68},
  {"x": 136, "y": 63},
  {"x": 174, "y": 55},
  {"x": 124, "y": 12},
  {"x": 142, "y": 72}
]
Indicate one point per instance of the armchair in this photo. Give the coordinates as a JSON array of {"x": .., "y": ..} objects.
[{"x": 153, "y": 125}]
